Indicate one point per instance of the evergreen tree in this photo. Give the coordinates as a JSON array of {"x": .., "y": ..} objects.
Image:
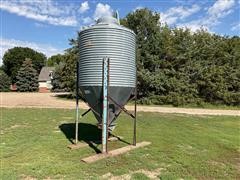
[
  {"x": 5, "y": 82},
  {"x": 27, "y": 77},
  {"x": 57, "y": 81},
  {"x": 64, "y": 78}
]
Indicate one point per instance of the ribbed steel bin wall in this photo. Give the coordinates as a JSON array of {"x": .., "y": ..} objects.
[{"x": 107, "y": 40}]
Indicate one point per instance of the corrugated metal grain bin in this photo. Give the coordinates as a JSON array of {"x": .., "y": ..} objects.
[{"x": 107, "y": 38}]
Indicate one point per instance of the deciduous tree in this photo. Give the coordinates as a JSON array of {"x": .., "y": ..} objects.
[{"x": 13, "y": 59}]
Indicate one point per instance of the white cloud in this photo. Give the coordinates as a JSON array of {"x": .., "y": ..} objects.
[
  {"x": 217, "y": 11},
  {"x": 236, "y": 27},
  {"x": 87, "y": 20},
  {"x": 220, "y": 6},
  {"x": 102, "y": 10},
  {"x": 174, "y": 14},
  {"x": 84, "y": 7},
  {"x": 47, "y": 49},
  {"x": 43, "y": 11}
]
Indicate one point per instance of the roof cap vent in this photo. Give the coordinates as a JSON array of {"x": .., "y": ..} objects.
[{"x": 107, "y": 20}]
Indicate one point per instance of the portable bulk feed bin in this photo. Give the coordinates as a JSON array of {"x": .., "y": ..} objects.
[{"x": 107, "y": 38}]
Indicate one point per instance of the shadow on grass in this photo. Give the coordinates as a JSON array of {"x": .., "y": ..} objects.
[{"x": 86, "y": 132}]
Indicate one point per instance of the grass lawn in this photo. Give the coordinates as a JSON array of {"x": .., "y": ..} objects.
[{"x": 34, "y": 145}]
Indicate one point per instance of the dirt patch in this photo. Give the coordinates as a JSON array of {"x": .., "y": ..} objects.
[
  {"x": 237, "y": 163},
  {"x": 150, "y": 174},
  {"x": 16, "y": 126},
  {"x": 188, "y": 149},
  {"x": 25, "y": 177},
  {"x": 217, "y": 164},
  {"x": 50, "y": 100}
]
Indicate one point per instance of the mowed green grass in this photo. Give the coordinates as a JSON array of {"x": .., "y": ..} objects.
[{"x": 34, "y": 145}]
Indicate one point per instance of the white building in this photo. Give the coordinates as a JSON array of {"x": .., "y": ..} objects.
[{"x": 45, "y": 79}]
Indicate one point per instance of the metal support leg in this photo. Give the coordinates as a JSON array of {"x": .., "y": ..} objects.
[
  {"x": 135, "y": 119},
  {"x": 77, "y": 107},
  {"x": 76, "y": 125},
  {"x": 105, "y": 105},
  {"x": 135, "y": 113}
]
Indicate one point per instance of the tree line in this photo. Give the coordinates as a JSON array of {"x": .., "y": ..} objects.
[{"x": 175, "y": 65}]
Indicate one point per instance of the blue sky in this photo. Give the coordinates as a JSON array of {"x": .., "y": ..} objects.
[{"x": 47, "y": 25}]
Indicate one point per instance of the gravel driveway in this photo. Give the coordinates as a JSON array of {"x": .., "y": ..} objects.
[{"x": 49, "y": 100}]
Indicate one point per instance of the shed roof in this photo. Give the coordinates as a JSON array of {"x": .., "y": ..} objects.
[{"x": 45, "y": 73}]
